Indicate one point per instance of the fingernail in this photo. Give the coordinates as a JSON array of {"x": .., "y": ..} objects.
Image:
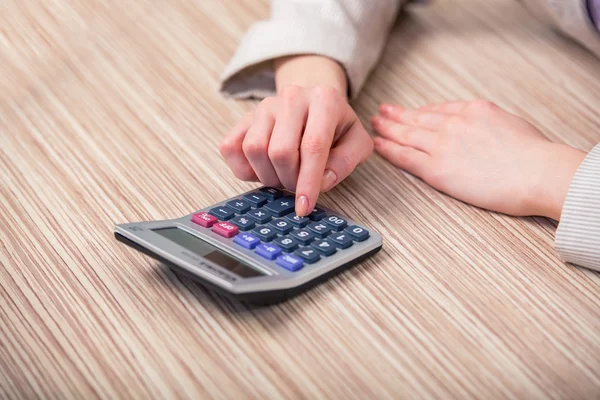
[
  {"x": 302, "y": 206},
  {"x": 386, "y": 109},
  {"x": 377, "y": 120},
  {"x": 329, "y": 180}
]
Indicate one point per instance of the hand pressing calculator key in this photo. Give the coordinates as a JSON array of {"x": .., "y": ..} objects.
[{"x": 254, "y": 247}]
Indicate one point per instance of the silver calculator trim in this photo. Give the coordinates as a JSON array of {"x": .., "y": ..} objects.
[{"x": 275, "y": 278}]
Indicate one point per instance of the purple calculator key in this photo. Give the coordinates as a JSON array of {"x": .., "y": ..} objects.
[
  {"x": 246, "y": 240},
  {"x": 268, "y": 251},
  {"x": 290, "y": 262}
]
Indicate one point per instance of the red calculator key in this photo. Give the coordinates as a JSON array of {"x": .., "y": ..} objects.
[
  {"x": 225, "y": 229},
  {"x": 204, "y": 219}
]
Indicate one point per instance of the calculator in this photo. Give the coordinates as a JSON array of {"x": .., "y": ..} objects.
[{"x": 254, "y": 247}]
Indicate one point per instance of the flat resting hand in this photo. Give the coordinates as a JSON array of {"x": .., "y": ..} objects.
[
  {"x": 306, "y": 140},
  {"x": 480, "y": 154}
]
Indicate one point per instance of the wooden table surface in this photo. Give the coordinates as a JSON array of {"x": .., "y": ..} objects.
[{"x": 110, "y": 113}]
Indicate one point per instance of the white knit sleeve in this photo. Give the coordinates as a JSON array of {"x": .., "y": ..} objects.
[
  {"x": 352, "y": 32},
  {"x": 578, "y": 233}
]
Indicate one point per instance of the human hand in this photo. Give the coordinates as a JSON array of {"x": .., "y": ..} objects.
[
  {"x": 480, "y": 154},
  {"x": 306, "y": 140}
]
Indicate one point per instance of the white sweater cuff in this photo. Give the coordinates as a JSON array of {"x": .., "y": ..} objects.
[{"x": 578, "y": 234}]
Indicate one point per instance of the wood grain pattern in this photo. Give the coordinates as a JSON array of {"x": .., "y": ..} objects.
[{"x": 109, "y": 113}]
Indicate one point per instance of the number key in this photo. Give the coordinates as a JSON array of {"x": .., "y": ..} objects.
[
  {"x": 336, "y": 223},
  {"x": 281, "y": 226},
  {"x": 341, "y": 239},
  {"x": 359, "y": 234},
  {"x": 309, "y": 255},
  {"x": 320, "y": 229},
  {"x": 300, "y": 222},
  {"x": 325, "y": 247},
  {"x": 287, "y": 244},
  {"x": 317, "y": 214},
  {"x": 265, "y": 234},
  {"x": 303, "y": 236}
]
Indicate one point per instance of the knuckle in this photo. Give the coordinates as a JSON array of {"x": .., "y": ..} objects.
[
  {"x": 266, "y": 105},
  {"x": 245, "y": 174},
  {"x": 328, "y": 97},
  {"x": 291, "y": 93},
  {"x": 226, "y": 147},
  {"x": 280, "y": 154},
  {"x": 254, "y": 148},
  {"x": 314, "y": 145}
]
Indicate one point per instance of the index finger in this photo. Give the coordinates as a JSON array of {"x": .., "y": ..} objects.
[{"x": 324, "y": 114}]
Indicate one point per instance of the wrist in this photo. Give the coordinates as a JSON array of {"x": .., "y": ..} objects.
[
  {"x": 310, "y": 71},
  {"x": 556, "y": 173}
]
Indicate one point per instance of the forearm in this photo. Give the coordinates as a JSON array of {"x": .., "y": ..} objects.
[{"x": 309, "y": 71}]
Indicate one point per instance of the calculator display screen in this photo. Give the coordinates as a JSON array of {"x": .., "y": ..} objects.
[{"x": 211, "y": 253}]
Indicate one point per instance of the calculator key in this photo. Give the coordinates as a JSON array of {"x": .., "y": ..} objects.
[
  {"x": 359, "y": 234},
  {"x": 257, "y": 199},
  {"x": 300, "y": 222},
  {"x": 204, "y": 219},
  {"x": 281, "y": 226},
  {"x": 317, "y": 214},
  {"x": 260, "y": 215},
  {"x": 271, "y": 193},
  {"x": 242, "y": 222},
  {"x": 336, "y": 223},
  {"x": 290, "y": 262},
  {"x": 320, "y": 229},
  {"x": 264, "y": 233},
  {"x": 341, "y": 239},
  {"x": 240, "y": 206},
  {"x": 246, "y": 240},
  {"x": 268, "y": 251},
  {"x": 308, "y": 254},
  {"x": 281, "y": 206},
  {"x": 225, "y": 229},
  {"x": 303, "y": 236},
  {"x": 325, "y": 247},
  {"x": 223, "y": 213},
  {"x": 286, "y": 243}
]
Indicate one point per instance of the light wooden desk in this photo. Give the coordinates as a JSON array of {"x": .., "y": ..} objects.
[{"x": 109, "y": 113}]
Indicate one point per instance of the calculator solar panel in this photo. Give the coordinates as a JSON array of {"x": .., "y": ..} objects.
[{"x": 254, "y": 247}]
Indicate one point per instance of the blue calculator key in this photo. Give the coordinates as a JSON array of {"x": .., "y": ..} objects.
[
  {"x": 303, "y": 236},
  {"x": 223, "y": 213},
  {"x": 321, "y": 229},
  {"x": 242, "y": 222},
  {"x": 240, "y": 206},
  {"x": 265, "y": 234},
  {"x": 325, "y": 247},
  {"x": 300, "y": 222},
  {"x": 290, "y": 262},
  {"x": 336, "y": 223},
  {"x": 246, "y": 240},
  {"x": 359, "y": 234},
  {"x": 257, "y": 199},
  {"x": 271, "y": 193},
  {"x": 281, "y": 226},
  {"x": 268, "y": 251},
  {"x": 259, "y": 215},
  {"x": 281, "y": 206},
  {"x": 286, "y": 243},
  {"x": 341, "y": 239},
  {"x": 317, "y": 214},
  {"x": 308, "y": 254}
]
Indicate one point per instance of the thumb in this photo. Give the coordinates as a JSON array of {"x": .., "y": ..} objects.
[{"x": 352, "y": 149}]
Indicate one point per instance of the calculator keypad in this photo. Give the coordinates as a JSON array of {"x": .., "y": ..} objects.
[{"x": 265, "y": 222}]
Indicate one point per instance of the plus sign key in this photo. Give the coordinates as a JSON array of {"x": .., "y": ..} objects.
[{"x": 282, "y": 206}]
